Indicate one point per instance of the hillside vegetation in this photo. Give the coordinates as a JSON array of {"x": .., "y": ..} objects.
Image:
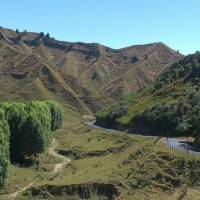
[
  {"x": 25, "y": 131},
  {"x": 170, "y": 107},
  {"x": 34, "y": 66},
  {"x": 106, "y": 166}
]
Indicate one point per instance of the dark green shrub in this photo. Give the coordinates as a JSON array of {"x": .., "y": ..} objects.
[
  {"x": 56, "y": 114},
  {"x": 15, "y": 115},
  {"x": 161, "y": 116},
  {"x": 4, "y": 147},
  {"x": 109, "y": 120},
  {"x": 34, "y": 131},
  {"x": 187, "y": 68}
]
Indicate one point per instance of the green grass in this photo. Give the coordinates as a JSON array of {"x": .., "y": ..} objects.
[
  {"x": 140, "y": 168},
  {"x": 17, "y": 177}
]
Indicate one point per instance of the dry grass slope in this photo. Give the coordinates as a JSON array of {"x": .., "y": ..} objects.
[{"x": 86, "y": 76}]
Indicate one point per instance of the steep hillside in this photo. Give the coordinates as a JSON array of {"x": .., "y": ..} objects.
[
  {"x": 86, "y": 76},
  {"x": 168, "y": 107}
]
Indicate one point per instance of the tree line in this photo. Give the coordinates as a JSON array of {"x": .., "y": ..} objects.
[{"x": 25, "y": 130}]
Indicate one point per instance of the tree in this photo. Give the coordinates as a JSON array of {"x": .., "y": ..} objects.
[
  {"x": 17, "y": 31},
  {"x": 30, "y": 125},
  {"x": 56, "y": 114},
  {"x": 47, "y": 35},
  {"x": 4, "y": 147},
  {"x": 41, "y": 35},
  {"x": 16, "y": 115}
]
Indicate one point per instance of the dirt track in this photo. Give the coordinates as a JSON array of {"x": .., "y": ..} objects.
[{"x": 57, "y": 169}]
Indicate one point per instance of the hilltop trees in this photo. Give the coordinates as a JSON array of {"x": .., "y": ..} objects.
[
  {"x": 41, "y": 35},
  {"x": 47, "y": 36}
]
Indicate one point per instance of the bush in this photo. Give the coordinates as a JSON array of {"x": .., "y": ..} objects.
[
  {"x": 188, "y": 68},
  {"x": 15, "y": 115},
  {"x": 109, "y": 119},
  {"x": 56, "y": 114},
  {"x": 161, "y": 116},
  {"x": 35, "y": 129},
  {"x": 4, "y": 147}
]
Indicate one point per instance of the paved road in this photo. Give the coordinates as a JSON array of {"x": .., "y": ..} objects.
[
  {"x": 176, "y": 143},
  {"x": 181, "y": 145}
]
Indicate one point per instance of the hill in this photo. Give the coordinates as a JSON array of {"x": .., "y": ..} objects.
[
  {"x": 104, "y": 165},
  {"x": 170, "y": 107},
  {"x": 86, "y": 76}
]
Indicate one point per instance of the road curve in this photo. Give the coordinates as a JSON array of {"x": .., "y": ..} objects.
[{"x": 176, "y": 143}]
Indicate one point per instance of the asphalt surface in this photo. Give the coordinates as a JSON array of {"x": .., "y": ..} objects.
[{"x": 177, "y": 143}]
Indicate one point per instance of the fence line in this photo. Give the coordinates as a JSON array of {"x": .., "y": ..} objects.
[{"x": 182, "y": 151}]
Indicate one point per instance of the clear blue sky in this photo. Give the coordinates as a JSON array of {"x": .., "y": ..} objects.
[{"x": 114, "y": 23}]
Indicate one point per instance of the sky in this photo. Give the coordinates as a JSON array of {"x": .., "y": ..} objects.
[{"x": 114, "y": 23}]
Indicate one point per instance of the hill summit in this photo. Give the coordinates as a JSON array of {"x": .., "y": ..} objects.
[{"x": 86, "y": 76}]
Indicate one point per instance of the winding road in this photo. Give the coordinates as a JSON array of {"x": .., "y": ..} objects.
[{"x": 177, "y": 143}]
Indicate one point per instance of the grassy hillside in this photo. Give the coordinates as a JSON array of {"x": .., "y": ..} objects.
[
  {"x": 104, "y": 165},
  {"x": 86, "y": 76},
  {"x": 168, "y": 107}
]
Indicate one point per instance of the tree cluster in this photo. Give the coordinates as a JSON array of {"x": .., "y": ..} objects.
[
  {"x": 25, "y": 129},
  {"x": 187, "y": 69}
]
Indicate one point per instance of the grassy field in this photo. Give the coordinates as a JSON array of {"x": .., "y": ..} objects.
[{"x": 104, "y": 165}]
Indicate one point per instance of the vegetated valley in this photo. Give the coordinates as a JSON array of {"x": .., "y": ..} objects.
[{"x": 49, "y": 88}]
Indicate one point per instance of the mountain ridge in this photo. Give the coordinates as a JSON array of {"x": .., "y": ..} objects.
[{"x": 87, "y": 76}]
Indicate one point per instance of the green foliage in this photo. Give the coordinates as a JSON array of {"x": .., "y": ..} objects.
[
  {"x": 167, "y": 119},
  {"x": 47, "y": 36},
  {"x": 4, "y": 147},
  {"x": 35, "y": 129},
  {"x": 161, "y": 115},
  {"x": 56, "y": 114},
  {"x": 108, "y": 119},
  {"x": 25, "y": 130},
  {"x": 188, "y": 68},
  {"x": 30, "y": 125},
  {"x": 170, "y": 107},
  {"x": 16, "y": 115},
  {"x": 41, "y": 35}
]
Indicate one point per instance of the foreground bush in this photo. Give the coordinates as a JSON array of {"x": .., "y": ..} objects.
[
  {"x": 25, "y": 130},
  {"x": 30, "y": 125},
  {"x": 15, "y": 115},
  {"x": 33, "y": 134},
  {"x": 56, "y": 114},
  {"x": 4, "y": 147}
]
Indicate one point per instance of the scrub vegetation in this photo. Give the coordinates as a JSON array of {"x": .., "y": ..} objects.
[{"x": 170, "y": 107}]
